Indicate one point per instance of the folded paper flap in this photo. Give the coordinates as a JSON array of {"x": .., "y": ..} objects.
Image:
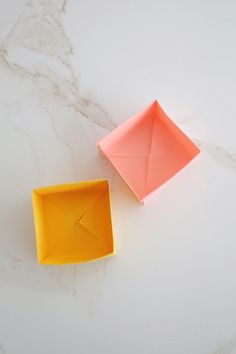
[
  {"x": 78, "y": 242},
  {"x": 39, "y": 223},
  {"x": 151, "y": 140},
  {"x": 90, "y": 206},
  {"x": 64, "y": 218},
  {"x": 176, "y": 132},
  {"x": 73, "y": 233},
  {"x": 164, "y": 139},
  {"x": 55, "y": 232},
  {"x": 126, "y": 166},
  {"x": 137, "y": 125},
  {"x": 98, "y": 220},
  {"x": 60, "y": 212},
  {"x": 136, "y": 142},
  {"x": 148, "y": 150},
  {"x": 61, "y": 188},
  {"x": 150, "y": 169},
  {"x": 74, "y": 204}
]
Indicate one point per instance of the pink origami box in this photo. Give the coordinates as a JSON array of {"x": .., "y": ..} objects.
[{"x": 147, "y": 150}]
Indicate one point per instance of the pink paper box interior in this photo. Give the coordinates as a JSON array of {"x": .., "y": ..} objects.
[{"x": 147, "y": 150}]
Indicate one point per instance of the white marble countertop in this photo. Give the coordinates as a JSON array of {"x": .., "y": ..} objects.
[{"x": 70, "y": 71}]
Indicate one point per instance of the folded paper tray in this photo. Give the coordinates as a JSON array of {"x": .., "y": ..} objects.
[
  {"x": 147, "y": 150},
  {"x": 73, "y": 222}
]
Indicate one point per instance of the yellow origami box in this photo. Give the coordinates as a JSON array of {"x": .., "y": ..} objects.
[{"x": 73, "y": 222}]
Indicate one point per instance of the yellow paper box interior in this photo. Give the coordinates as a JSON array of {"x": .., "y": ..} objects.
[{"x": 73, "y": 222}]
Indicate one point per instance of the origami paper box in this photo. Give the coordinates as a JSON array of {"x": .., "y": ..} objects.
[
  {"x": 147, "y": 150},
  {"x": 73, "y": 222}
]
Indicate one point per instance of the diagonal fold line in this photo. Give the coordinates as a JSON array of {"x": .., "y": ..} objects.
[
  {"x": 65, "y": 239},
  {"x": 90, "y": 206},
  {"x": 85, "y": 227},
  {"x": 90, "y": 233},
  {"x": 147, "y": 173},
  {"x": 62, "y": 212},
  {"x": 52, "y": 203},
  {"x": 53, "y": 250},
  {"x": 68, "y": 214},
  {"x": 148, "y": 156},
  {"x": 152, "y": 135}
]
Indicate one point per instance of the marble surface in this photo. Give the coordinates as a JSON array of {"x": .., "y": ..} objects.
[{"x": 71, "y": 71}]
